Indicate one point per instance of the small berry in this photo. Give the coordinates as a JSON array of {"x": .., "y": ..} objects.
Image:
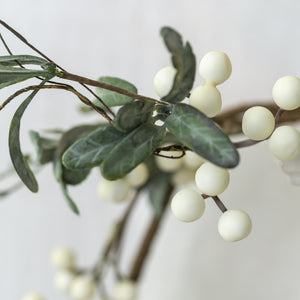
[
  {"x": 286, "y": 92},
  {"x": 187, "y": 205},
  {"x": 138, "y": 176},
  {"x": 192, "y": 160},
  {"x": 211, "y": 179},
  {"x": 33, "y": 296},
  {"x": 234, "y": 225},
  {"x": 163, "y": 81},
  {"x": 169, "y": 164},
  {"x": 215, "y": 67},
  {"x": 183, "y": 176},
  {"x": 82, "y": 288},
  {"x": 125, "y": 290},
  {"x": 114, "y": 191},
  {"x": 258, "y": 123},
  {"x": 284, "y": 143},
  {"x": 63, "y": 280},
  {"x": 63, "y": 258},
  {"x": 207, "y": 99}
]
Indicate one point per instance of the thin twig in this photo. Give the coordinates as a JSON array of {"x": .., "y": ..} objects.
[{"x": 219, "y": 203}]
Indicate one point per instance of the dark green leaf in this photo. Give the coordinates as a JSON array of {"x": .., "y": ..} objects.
[
  {"x": 18, "y": 160},
  {"x": 58, "y": 173},
  {"x": 12, "y": 75},
  {"x": 201, "y": 135},
  {"x": 158, "y": 187},
  {"x": 14, "y": 60},
  {"x": 131, "y": 115},
  {"x": 132, "y": 150},
  {"x": 45, "y": 148},
  {"x": 90, "y": 150},
  {"x": 184, "y": 61},
  {"x": 112, "y": 98}
]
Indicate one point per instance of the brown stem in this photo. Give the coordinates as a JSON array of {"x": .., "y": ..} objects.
[
  {"x": 219, "y": 203},
  {"x": 147, "y": 241},
  {"x": 91, "y": 82}
]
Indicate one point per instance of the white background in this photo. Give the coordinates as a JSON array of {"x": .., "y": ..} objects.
[{"x": 121, "y": 38}]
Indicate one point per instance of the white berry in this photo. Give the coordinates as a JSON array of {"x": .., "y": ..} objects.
[
  {"x": 183, "y": 176},
  {"x": 192, "y": 160},
  {"x": 169, "y": 164},
  {"x": 234, "y": 225},
  {"x": 187, "y": 205},
  {"x": 138, "y": 176},
  {"x": 215, "y": 67},
  {"x": 163, "y": 81},
  {"x": 82, "y": 288},
  {"x": 114, "y": 191},
  {"x": 63, "y": 258},
  {"x": 258, "y": 123},
  {"x": 63, "y": 280},
  {"x": 284, "y": 143},
  {"x": 211, "y": 179},
  {"x": 33, "y": 296},
  {"x": 286, "y": 92},
  {"x": 125, "y": 290},
  {"x": 207, "y": 99}
]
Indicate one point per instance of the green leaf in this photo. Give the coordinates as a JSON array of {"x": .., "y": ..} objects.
[
  {"x": 21, "y": 166},
  {"x": 58, "y": 172},
  {"x": 14, "y": 60},
  {"x": 201, "y": 135},
  {"x": 12, "y": 75},
  {"x": 112, "y": 98},
  {"x": 184, "y": 61},
  {"x": 91, "y": 150},
  {"x": 158, "y": 187},
  {"x": 45, "y": 148},
  {"x": 132, "y": 150},
  {"x": 131, "y": 115}
]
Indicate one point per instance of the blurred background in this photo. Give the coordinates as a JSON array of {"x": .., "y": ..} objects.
[{"x": 121, "y": 38}]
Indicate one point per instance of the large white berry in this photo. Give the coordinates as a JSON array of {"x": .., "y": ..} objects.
[
  {"x": 215, "y": 67},
  {"x": 63, "y": 258},
  {"x": 284, "y": 143},
  {"x": 286, "y": 92},
  {"x": 192, "y": 160},
  {"x": 33, "y": 296},
  {"x": 138, "y": 176},
  {"x": 234, "y": 225},
  {"x": 211, "y": 179},
  {"x": 114, "y": 191},
  {"x": 82, "y": 288},
  {"x": 125, "y": 290},
  {"x": 63, "y": 280},
  {"x": 207, "y": 99},
  {"x": 187, "y": 205},
  {"x": 169, "y": 164},
  {"x": 163, "y": 81},
  {"x": 258, "y": 123}
]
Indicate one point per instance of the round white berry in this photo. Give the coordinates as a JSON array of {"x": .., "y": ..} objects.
[
  {"x": 125, "y": 290},
  {"x": 82, "y": 288},
  {"x": 163, "y": 81},
  {"x": 187, "y": 205},
  {"x": 284, "y": 143},
  {"x": 138, "y": 176},
  {"x": 207, "y": 99},
  {"x": 63, "y": 280},
  {"x": 114, "y": 191},
  {"x": 63, "y": 258},
  {"x": 211, "y": 179},
  {"x": 192, "y": 160},
  {"x": 258, "y": 123},
  {"x": 234, "y": 225},
  {"x": 215, "y": 67},
  {"x": 169, "y": 164},
  {"x": 183, "y": 176},
  {"x": 286, "y": 92},
  {"x": 33, "y": 296}
]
